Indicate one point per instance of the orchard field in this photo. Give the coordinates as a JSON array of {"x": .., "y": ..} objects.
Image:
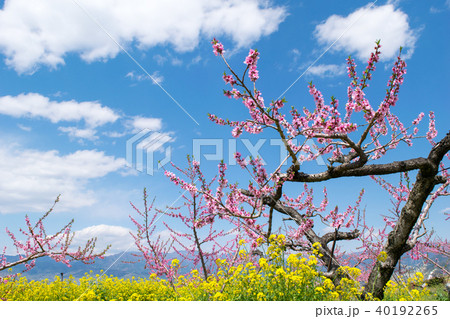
[
  {"x": 277, "y": 236},
  {"x": 272, "y": 278}
]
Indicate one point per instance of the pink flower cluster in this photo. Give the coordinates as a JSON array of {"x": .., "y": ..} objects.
[
  {"x": 370, "y": 68},
  {"x": 326, "y": 119},
  {"x": 229, "y": 79},
  {"x": 241, "y": 161},
  {"x": 251, "y": 61},
  {"x": 346, "y": 217},
  {"x": 233, "y": 93},
  {"x": 432, "y": 132},
  {"x": 302, "y": 229},
  {"x": 217, "y": 47},
  {"x": 38, "y": 244}
]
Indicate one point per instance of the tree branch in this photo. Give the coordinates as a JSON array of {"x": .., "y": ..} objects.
[
  {"x": 374, "y": 169},
  {"x": 397, "y": 241},
  {"x": 328, "y": 237}
]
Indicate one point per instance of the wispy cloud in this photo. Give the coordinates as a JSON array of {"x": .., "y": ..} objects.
[
  {"x": 294, "y": 56},
  {"x": 117, "y": 236},
  {"x": 114, "y": 134},
  {"x": 24, "y": 128},
  {"x": 195, "y": 60},
  {"x": 327, "y": 70},
  {"x": 160, "y": 60},
  {"x": 86, "y": 133},
  {"x": 167, "y": 58},
  {"x": 155, "y": 78},
  {"x": 446, "y": 6}
]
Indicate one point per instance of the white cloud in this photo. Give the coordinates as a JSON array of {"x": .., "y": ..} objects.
[
  {"x": 136, "y": 124},
  {"x": 176, "y": 62},
  {"x": 160, "y": 60},
  {"x": 196, "y": 60},
  {"x": 114, "y": 134},
  {"x": 327, "y": 70},
  {"x": 294, "y": 55},
  {"x": 31, "y": 179},
  {"x": 36, "y": 105},
  {"x": 434, "y": 9},
  {"x": 384, "y": 22},
  {"x": 168, "y": 57},
  {"x": 45, "y": 32},
  {"x": 295, "y": 52},
  {"x": 117, "y": 236},
  {"x": 327, "y": 229},
  {"x": 139, "y": 123},
  {"x": 86, "y": 133},
  {"x": 33, "y": 105},
  {"x": 138, "y": 77},
  {"x": 24, "y": 128},
  {"x": 156, "y": 77}
]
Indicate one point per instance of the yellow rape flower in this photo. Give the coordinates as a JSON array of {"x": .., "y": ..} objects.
[
  {"x": 260, "y": 296},
  {"x": 263, "y": 263},
  {"x": 382, "y": 256},
  {"x": 175, "y": 263}
]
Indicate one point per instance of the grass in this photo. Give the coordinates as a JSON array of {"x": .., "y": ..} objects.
[{"x": 437, "y": 288}]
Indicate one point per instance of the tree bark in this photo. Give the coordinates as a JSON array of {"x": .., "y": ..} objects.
[
  {"x": 397, "y": 242},
  {"x": 326, "y": 254},
  {"x": 366, "y": 170}
]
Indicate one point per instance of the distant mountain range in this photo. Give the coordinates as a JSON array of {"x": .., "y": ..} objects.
[
  {"x": 128, "y": 266},
  {"x": 125, "y": 266}
]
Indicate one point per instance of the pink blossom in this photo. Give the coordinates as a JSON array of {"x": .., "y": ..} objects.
[
  {"x": 432, "y": 132},
  {"x": 229, "y": 79},
  {"x": 218, "y": 47}
]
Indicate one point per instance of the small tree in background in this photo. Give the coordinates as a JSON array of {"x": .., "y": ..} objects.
[
  {"x": 205, "y": 241},
  {"x": 38, "y": 243},
  {"x": 202, "y": 239}
]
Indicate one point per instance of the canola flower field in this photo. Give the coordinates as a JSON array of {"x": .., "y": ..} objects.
[{"x": 273, "y": 278}]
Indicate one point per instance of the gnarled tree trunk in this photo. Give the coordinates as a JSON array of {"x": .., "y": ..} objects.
[{"x": 397, "y": 243}]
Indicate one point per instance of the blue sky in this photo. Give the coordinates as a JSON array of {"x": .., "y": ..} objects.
[{"x": 70, "y": 97}]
